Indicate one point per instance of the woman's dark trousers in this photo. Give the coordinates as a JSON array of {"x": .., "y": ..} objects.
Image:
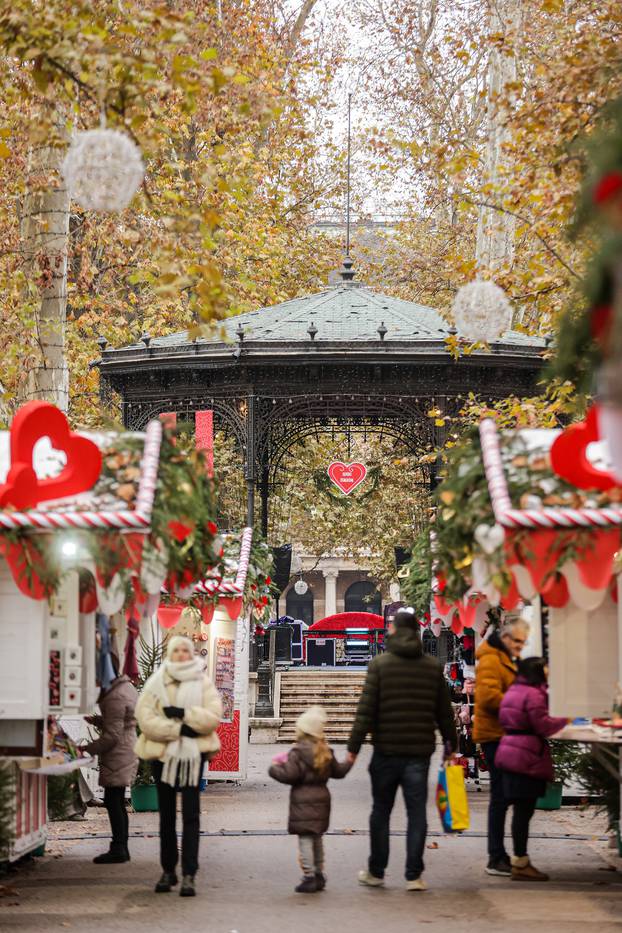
[
  {"x": 497, "y": 807},
  {"x": 114, "y": 802},
  {"x": 523, "y": 811},
  {"x": 191, "y": 820}
]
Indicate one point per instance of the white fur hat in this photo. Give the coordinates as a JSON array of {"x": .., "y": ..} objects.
[
  {"x": 177, "y": 641},
  {"x": 312, "y": 722}
]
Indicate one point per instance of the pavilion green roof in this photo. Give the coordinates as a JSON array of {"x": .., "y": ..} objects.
[{"x": 347, "y": 313}]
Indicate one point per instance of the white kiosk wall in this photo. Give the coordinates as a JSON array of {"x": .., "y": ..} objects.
[{"x": 584, "y": 652}]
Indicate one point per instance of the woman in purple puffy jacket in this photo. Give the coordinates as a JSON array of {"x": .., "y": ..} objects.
[{"x": 525, "y": 757}]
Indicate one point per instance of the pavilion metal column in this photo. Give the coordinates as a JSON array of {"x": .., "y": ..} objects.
[
  {"x": 265, "y": 495},
  {"x": 249, "y": 470},
  {"x": 439, "y": 436}
]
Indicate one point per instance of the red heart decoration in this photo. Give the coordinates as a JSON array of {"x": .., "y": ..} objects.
[
  {"x": 347, "y": 476},
  {"x": 22, "y": 488},
  {"x": 569, "y": 455}
]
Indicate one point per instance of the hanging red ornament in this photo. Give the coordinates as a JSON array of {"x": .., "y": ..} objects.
[
  {"x": 23, "y": 489},
  {"x": 601, "y": 320},
  {"x": 212, "y": 527},
  {"x": 569, "y": 455},
  {"x": 607, "y": 187},
  {"x": 180, "y": 530}
]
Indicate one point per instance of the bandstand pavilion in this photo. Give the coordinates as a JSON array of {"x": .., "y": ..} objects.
[{"x": 346, "y": 358}]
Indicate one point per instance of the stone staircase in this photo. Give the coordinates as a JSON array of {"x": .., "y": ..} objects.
[{"x": 337, "y": 691}]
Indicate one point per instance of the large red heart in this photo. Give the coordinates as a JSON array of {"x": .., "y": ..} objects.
[
  {"x": 569, "y": 455},
  {"x": 22, "y": 488},
  {"x": 347, "y": 476}
]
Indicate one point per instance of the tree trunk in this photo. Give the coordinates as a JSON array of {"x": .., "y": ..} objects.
[
  {"x": 495, "y": 229},
  {"x": 45, "y": 238}
]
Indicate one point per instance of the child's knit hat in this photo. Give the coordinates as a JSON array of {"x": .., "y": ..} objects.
[{"x": 312, "y": 722}]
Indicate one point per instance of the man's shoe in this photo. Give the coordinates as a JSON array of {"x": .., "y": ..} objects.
[
  {"x": 369, "y": 880},
  {"x": 523, "y": 870},
  {"x": 320, "y": 880},
  {"x": 308, "y": 885},
  {"x": 499, "y": 866},
  {"x": 167, "y": 881},
  {"x": 187, "y": 886},
  {"x": 417, "y": 884},
  {"x": 114, "y": 856}
]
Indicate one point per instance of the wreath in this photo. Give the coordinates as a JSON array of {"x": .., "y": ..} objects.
[{"x": 325, "y": 485}]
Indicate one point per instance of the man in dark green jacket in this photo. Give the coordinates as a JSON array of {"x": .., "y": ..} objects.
[{"x": 404, "y": 700}]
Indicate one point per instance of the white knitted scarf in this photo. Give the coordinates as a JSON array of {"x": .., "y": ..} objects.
[{"x": 182, "y": 758}]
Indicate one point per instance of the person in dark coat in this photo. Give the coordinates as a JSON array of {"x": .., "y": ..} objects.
[
  {"x": 524, "y": 756},
  {"x": 308, "y": 767},
  {"x": 405, "y": 699},
  {"x": 117, "y": 760}
]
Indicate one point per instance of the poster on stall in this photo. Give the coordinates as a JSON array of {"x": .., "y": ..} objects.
[{"x": 224, "y": 675}]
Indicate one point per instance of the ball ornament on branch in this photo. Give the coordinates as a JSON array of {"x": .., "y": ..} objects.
[
  {"x": 103, "y": 170},
  {"x": 481, "y": 311}
]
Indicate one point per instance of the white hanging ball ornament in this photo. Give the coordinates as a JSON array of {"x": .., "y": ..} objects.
[
  {"x": 300, "y": 587},
  {"x": 481, "y": 311},
  {"x": 103, "y": 170}
]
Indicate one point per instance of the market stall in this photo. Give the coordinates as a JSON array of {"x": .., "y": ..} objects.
[
  {"x": 533, "y": 517},
  {"x": 90, "y": 524}
]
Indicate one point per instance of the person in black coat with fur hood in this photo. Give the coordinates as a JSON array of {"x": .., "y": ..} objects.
[{"x": 308, "y": 767}]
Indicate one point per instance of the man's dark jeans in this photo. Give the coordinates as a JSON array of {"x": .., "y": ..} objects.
[
  {"x": 388, "y": 772},
  {"x": 497, "y": 807}
]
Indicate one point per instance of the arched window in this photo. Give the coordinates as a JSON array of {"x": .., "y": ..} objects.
[
  {"x": 363, "y": 597},
  {"x": 300, "y": 607}
]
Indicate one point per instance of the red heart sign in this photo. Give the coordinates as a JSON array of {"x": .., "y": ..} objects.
[
  {"x": 22, "y": 488},
  {"x": 347, "y": 476},
  {"x": 569, "y": 455}
]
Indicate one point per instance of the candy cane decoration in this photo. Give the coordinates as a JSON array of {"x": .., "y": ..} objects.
[
  {"x": 510, "y": 517},
  {"x": 138, "y": 518},
  {"x": 230, "y": 587}
]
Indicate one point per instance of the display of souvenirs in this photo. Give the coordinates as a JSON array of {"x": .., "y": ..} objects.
[
  {"x": 54, "y": 678},
  {"x": 224, "y": 675},
  {"x": 59, "y": 743}
]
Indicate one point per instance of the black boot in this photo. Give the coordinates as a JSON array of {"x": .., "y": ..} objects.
[
  {"x": 187, "y": 886},
  {"x": 167, "y": 881},
  {"x": 116, "y": 854},
  {"x": 320, "y": 880},
  {"x": 308, "y": 885}
]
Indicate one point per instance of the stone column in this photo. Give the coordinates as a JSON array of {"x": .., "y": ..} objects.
[{"x": 330, "y": 591}]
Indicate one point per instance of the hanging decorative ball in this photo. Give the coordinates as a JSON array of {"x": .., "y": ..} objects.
[
  {"x": 300, "y": 587},
  {"x": 103, "y": 170},
  {"x": 482, "y": 311}
]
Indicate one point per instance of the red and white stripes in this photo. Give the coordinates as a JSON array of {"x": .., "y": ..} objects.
[
  {"x": 231, "y": 587},
  {"x": 138, "y": 518},
  {"x": 510, "y": 517}
]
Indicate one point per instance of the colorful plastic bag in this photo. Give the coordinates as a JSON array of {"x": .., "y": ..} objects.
[{"x": 451, "y": 799}]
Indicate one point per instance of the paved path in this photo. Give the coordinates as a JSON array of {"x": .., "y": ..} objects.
[{"x": 248, "y": 874}]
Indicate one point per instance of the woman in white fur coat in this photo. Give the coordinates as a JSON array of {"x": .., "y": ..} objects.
[{"x": 178, "y": 712}]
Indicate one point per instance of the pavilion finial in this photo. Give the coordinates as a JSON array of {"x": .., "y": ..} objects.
[{"x": 347, "y": 272}]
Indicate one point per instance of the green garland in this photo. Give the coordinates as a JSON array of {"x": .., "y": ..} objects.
[
  {"x": 7, "y": 807},
  {"x": 417, "y": 587},
  {"x": 462, "y": 503},
  {"x": 184, "y": 534},
  {"x": 583, "y": 340}
]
